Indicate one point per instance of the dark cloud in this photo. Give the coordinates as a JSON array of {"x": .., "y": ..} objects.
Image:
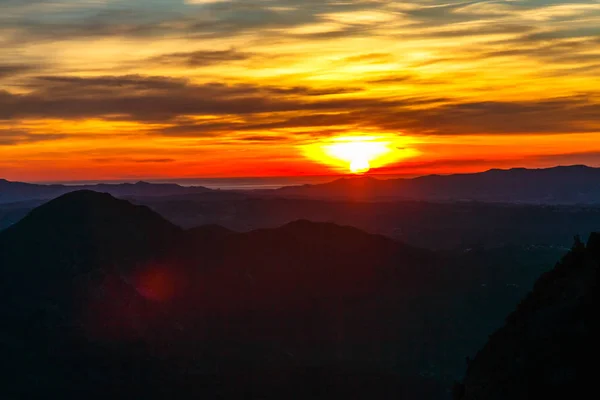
[
  {"x": 561, "y": 115},
  {"x": 9, "y": 70},
  {"x": 158, "y": 98},
  {"x": 567, "y": 115},
  {"x": 12, "y": 3},
  {"x": 9, "y": 137},
  {"x": 393, "y": 79},
  {"x": 109, "y": 160},
  {"x": 202, "y": 58},
  {"x": 175, "y": 18},
  {"x": 261, "y": 138},
  {"x": 106, "y": 83},
  {"x": 246, "y": 107},
  {"x": 273, "y": 19},
  {"x": 154, "y": 160},
  {"x": 405, "y": 79}
]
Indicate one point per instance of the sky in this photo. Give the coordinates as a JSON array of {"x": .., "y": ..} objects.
[{"x": 121, "y": 89}]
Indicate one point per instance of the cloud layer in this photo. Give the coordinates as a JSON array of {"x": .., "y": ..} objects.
[{"x": 81, "y": 80}]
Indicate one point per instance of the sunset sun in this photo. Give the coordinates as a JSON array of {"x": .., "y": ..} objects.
[
  {"x": 359, "y": 166},
  {"x": 359, "y": 154}
]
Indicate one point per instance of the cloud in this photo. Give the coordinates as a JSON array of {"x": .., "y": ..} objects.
[
  {"x": 10, "y": 137},
  {"x": 246, "y": 107},
  {"x": 202, "y": 58},
  {"x": 111, "y": 160},
  {"x": 261, "y": 139},
  {"x": 10, "y": 70},
  {"x": 554, "y": 115},
  {"x": 170, "y": 17},
  {"x": 154, "y": 160},
  {"x": 155, "y": 98}
]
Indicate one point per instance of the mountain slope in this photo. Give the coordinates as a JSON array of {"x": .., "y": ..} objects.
[
  {"x": 70, "y": 243},
  {"x": 546, "y": 348}
]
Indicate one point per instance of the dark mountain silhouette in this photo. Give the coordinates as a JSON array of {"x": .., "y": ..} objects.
[
  {"x": 547, "y": 349},
  {"x": 577, "y": 184},
  {"x": 104, "y": 298},
  {"x": 437, "y": 226},
  {"x": 560, "y": 185},
  {"x": 18, "y": 191}
]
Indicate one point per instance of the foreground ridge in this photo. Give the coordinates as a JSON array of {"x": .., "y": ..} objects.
[{"x": 545, "y": 348}]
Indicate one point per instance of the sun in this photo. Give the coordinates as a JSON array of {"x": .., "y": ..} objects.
[
  {"x": 358, "y": 154},
  {"x": 360, "y": 166}
]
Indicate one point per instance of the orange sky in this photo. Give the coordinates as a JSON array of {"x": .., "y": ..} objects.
[{"x": 115, "y": 89}]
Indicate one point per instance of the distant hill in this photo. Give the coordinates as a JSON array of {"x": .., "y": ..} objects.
[
  {"x": 448, "y": 226},
  {"x": 102, "y": 297},
  {"x": 547, "y": 349},
  {"x": 560, "y": 185},
  {"x": 18, "y": 192},
  {"x": 577, "y": 184}
]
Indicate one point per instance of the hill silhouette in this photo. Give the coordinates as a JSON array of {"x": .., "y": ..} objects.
[
  {"x": 101, "y": 296},
  {"x": 19, "y": 191},
  {"x": 577, "y": 184},
  {"x": 546, "y": 348},
  {"x": 559, "y": 185}
]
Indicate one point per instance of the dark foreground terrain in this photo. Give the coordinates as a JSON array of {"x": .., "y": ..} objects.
[
  {"x": 548, "y": 346},
  {"x": 103, "y": 298}
]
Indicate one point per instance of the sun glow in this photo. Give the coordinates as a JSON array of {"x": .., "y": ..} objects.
[{"x": 358, "y": 154}]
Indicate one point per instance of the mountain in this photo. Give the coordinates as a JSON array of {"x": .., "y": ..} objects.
[
  {"x": 560, "y": 185},
  {"x": 547, "y": 347},
  {"x": 438, "y": 226},
  {"x": 17, "y": 191},
  {"x": 577, "y": 184},
  {"x": 102, "y": 297}
]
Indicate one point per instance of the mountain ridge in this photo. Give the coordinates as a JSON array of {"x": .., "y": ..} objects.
[
  {"x": 21, "y": 191},
  {"x": 576, "y": 184}
]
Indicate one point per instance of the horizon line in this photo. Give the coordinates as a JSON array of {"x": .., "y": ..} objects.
[{"x": 177, "y": 180}]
